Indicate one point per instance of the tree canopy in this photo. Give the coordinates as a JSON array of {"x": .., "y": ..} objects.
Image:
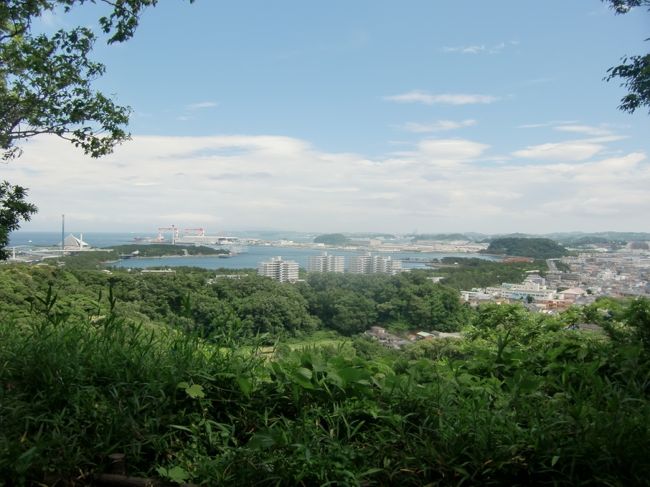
[
  {"x": 332, "y": 239},
  {"x": 13, "y": 208},
  {"x": 634, "y": 72},
  {"x": 46, "y": 86},
  {"x": 536, "y": 248}
]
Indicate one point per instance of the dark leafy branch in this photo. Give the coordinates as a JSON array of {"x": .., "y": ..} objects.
[
  {"x": 634, "y": 72},
  {"x": 46, "y": 80},
  {"x": 46, "y": 87},
  {"x": 13, "y": 208}
]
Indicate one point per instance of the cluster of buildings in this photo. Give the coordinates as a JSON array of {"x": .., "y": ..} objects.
[
  {"x": 617, "y": 274},
  {"x": 381, "y": 244},
  {"x": 580, "y": 281},
  {"x": 287, "y": 270},
  {"x": 535, "y": 293}
]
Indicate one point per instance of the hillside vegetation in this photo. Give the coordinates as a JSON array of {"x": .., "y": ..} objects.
[
  {"x": 165, "y": 369},
  {"x": 159, "y": 250},
  {"x": 473, "y": 272},
  {"x": 96, "y": 259},
  {"x": 439, "y": 237},
  {"x": 536, "y": 248},
  {"x": 332, "y": 239}
]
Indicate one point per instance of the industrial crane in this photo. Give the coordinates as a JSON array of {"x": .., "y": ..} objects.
[
  {"x": 199, "y": 232},
  {"x": 173, "y": 229}
]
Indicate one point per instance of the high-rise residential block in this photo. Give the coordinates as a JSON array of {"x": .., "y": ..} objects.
[
  {"x": 326, "y": 263},
  {"x": 278, "y": 269},
  {"x": 374, "y": 264}
]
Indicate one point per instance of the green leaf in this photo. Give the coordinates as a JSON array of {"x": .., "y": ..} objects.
[
  {"x": 181, "y": 427},
  {"x": 195, "y": 391},
  {"x": 306, "y": 373},
  {"x": 302, "y": 377},
  {"x": 245, "y": 385},
  {"x": 335, "y": 378},
  {"x": 261, "y": 441},
  {"x": 175, "y": 474}
]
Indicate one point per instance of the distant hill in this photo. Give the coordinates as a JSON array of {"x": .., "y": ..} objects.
[
  {"x": 440, "y": 237},
  {"x": 536, "y": 248},
  {"x": 598, "y": 237},
  {"x": 591, "y": 240},
  {"x": 159, "y": 250},
  {"x": 514, "y": 235},
  {"x": 332, "y": 239},
  {"x": 372, "y": 235}
]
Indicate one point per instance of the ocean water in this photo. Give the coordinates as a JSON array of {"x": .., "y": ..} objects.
[
  {"x": 95, "y": 239},
  {"x": 245, "y": 260}
]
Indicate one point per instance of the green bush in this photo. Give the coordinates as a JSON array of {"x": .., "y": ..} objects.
[{"x": 519, "y": 401}]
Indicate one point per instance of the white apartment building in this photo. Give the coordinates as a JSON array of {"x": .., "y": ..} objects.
[
  {"x": 522, "y": 291},
  {"x": 278, "y": 269},
  {"x": 374, "y": 264},
  {"x": 326, "y": 263}
]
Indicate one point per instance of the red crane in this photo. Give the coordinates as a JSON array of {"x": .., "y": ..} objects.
[
  {"x": 173, "y": 229},
  {"x": 199, "y": 232}
]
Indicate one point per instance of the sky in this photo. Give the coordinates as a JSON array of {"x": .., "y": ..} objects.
[{"x": 367, "y": 115}]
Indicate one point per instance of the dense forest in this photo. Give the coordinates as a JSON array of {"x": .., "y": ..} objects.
[
  {"x": 473, "y": 272},
  {"x": 193, "y": 299},
  {"x": 98, "y": 259},
  {"x": 159, "y": 250},
  {"x": 332, "y": 239},
  {"x": 536, "y": 248},
  {"x": 215, "y": 380}
]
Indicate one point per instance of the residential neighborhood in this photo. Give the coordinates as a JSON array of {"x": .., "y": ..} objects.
[{"x": 574, "y": 280}]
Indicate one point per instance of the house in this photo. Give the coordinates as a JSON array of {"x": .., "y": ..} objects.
[{"x": 572, "y": 294}]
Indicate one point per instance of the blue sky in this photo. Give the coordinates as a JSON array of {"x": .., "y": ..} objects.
[{"x": 361, "y": 115}]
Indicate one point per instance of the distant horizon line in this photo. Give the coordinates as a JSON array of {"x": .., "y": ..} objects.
[{"x": 465, "y": 233}]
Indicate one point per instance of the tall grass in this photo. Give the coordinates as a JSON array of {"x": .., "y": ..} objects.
[
  {"x": 551, "y": 408},
  {"x": 74, "y": 391}
]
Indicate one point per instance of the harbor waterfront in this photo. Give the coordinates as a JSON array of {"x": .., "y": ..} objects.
[
  {"x": 256, "y": 254},
  {"x": 245, "y": 260}
]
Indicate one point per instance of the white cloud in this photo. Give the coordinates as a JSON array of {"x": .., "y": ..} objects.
[
  {"x": 599, "y": 133},
  {"x": 546, "y": 124},
  {"x": 146, "y": 183},
  {"x": 473, "y": 49},
  {"x": 191, "y": 218},
  {"x": 234, "y": 181},
  {"x": 584, "y": 129},
  {"x": 201, "y": 105},
  {"x": 451, "y": 149},
  {"x": 480, "y": 48},
  {"x": 425, "y": 98},
  {"x": 575, "y": 150},
  {"x": 437, "y": 126}
]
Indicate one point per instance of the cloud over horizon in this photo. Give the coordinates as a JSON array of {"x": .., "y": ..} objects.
[
  {"x": 437, "y": 126},
  {"x": 418, "y": 96},
  {"x": 262, "y": 181},
  {"x": 480, "y": 48},
  {"x": 201, "y": 105}
]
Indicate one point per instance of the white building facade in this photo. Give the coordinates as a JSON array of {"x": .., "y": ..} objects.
[
  {"x": 374, "y": 264},
  {"x": 326, "y": 263},
  {"x": 278, "y": 269}
]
